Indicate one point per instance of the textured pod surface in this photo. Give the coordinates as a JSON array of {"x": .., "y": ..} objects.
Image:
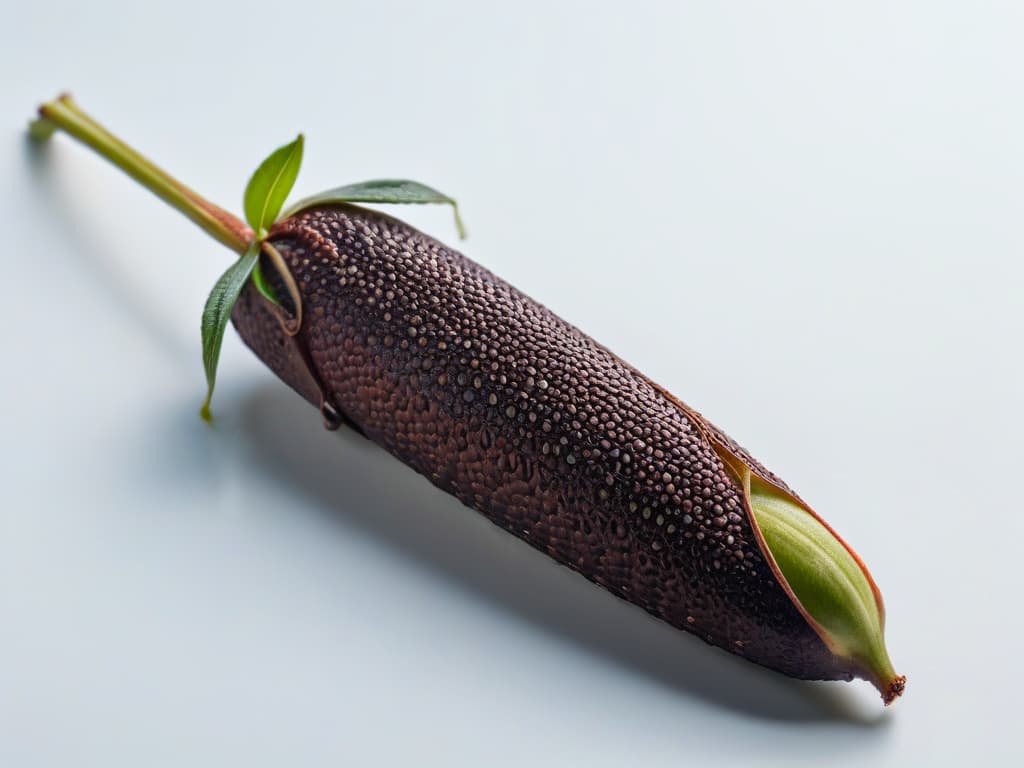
[{"x": 526, "y": 419}]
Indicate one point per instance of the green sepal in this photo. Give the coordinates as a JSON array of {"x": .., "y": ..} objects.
[
  {"x": 400, "y": 191},
  {"x": 216, "y": 314}
]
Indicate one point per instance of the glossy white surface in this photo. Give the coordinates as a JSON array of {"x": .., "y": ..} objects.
[{"x": 805, "y": 221}]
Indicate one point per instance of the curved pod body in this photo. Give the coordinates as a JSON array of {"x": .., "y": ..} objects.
[{"x": 529, "y": 421}]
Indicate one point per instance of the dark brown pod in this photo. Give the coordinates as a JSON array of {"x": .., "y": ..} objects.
[
  {"x": 529, "y": 421},
  {"x": 523, "y": 417}
]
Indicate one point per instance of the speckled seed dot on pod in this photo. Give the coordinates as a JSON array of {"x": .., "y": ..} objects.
[{"x": 526, "y": 419}]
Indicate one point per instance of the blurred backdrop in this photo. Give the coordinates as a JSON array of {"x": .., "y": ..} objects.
[{"x": 802, "y": 218}]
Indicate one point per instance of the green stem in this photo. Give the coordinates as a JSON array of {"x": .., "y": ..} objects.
[{"x": 63, "y": 113}]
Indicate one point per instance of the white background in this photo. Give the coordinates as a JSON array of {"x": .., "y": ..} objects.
[{"x": 803, "y": 218}]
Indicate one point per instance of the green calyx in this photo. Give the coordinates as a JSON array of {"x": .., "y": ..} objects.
[
  {"x": 828, "y": 582},
  {"x": 264, "y": 199}
]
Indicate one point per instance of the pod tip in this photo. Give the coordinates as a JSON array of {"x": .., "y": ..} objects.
[{"x": 893, "y": 689}]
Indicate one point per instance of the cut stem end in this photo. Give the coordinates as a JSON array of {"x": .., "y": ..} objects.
[{"x": 62, "y": 113}]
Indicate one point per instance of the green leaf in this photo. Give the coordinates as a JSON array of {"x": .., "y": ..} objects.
[
  {"x": 266, "y": 289},
  {"x": 270, "y": 184},
  {"x": 381, "y": 191},
  {"x": 216, "y": 314}
]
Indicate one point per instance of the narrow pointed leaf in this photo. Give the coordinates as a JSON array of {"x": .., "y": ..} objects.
[
  {"x": 401, "y": 191},
  {"x": 266, "y": 289},
  {"x": 216, "y": 314},
  {"x": 270, "y": 184}
]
